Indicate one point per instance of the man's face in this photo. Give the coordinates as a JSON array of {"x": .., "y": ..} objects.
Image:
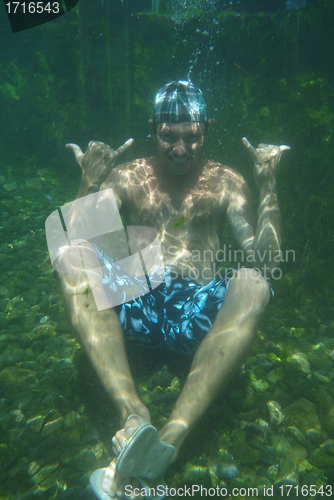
[{"x": 180, "y": 145}]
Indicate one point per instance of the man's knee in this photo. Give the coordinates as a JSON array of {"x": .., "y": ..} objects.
[{"x": 255, "y": 285}]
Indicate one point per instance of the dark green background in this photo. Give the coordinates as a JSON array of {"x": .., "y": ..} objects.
[{"x": 93, "y": 73}]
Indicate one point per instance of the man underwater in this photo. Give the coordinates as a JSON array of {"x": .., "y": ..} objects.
[{"x": 194, "y": 309}]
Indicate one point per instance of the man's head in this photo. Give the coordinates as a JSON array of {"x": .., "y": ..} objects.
[
  {"x": 179, "y": 102},
  {"x": 180, "y": 123}
]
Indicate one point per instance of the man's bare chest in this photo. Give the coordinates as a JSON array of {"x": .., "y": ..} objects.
[{"x": 162, "y": 210}]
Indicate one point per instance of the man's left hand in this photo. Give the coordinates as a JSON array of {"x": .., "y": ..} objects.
[{"x": 266, "y": 158}]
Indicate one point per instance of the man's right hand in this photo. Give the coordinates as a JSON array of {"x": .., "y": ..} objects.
[{"x": 96, "y": 164}]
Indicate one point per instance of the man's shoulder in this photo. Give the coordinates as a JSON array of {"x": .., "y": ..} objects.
[
  {"x": 127, "y": 173},
  {"x": 219, "y": 170},
  {"x": 141, "y": 164}
]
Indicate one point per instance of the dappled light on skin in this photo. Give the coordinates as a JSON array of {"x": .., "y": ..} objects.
[
  {"x": 188, "y": 228},
  {"x": 99, "y": 165},
  {"x": 268, "y": 204},
  {"x": 188, "y": 212},
  {"x": 224, "y": 347},
  {"x": 267, "y": 229},
  {"x": 180, "y": 422},
  {"x": 174, "y": 432}
]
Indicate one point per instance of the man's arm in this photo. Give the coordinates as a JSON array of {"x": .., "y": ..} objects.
[
  {"x": 96, "y": 164},
  {"x": 260, "y": 241},
  {"x": 99, "y": 331}
]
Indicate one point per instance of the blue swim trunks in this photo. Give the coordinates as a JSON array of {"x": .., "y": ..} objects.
[{"x": 178, "y": 313}]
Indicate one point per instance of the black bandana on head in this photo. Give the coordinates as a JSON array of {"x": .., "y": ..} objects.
[{"x": 178, "y": 102}]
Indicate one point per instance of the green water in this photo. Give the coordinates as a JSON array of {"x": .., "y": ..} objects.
[{"x": 92, "y": 75}]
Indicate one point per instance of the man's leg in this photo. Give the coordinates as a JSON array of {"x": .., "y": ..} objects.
[
  {"x": 215, "y": 362},
  {"x": 220, "y": 354},
  {"x": 101, "y": 335}
]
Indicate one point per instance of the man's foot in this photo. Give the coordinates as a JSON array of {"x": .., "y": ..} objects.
[
  {"x": 140, "y": 455},
  {"x": 105, "y": 481}
]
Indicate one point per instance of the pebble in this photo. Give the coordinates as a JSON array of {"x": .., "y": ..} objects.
[
  {"x": 36, "y": 424},
  {"x": 44, "y": 473},
  {"x": 194, "y": 473},
  {"x": 267, "y": 455},
  {"x": 275, "y": 413},
  {"x": 10, "y": 187},
  {"x": 287, "y": 474},
  {"x": 70, "y": 420},
  {"x": 302, "y": 414},
  {"x": 275, "y": 375},
  {"x": 320, "y": 458},
  {"x": 51, "y": 441},
  {"x": 259, "y": 385},
  {"x": 226, "y": 471},
  {"x": 33, "y": 468},
  {"x": 53, "y": 427},
  {"x": 14, "y": 378},
  {"x": 297, "y": 453},
  {"x": 328, "y": 447},
  {"x": 297, "y": 435},
  {"x": 245, "y": 454},
  {"x": 314, "y": 437},
  {"x": 300, "y": 361},
  {"x": 280, "y": 444}
]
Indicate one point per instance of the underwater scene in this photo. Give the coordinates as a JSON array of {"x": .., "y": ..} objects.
[{"x": 91, "y": 74}]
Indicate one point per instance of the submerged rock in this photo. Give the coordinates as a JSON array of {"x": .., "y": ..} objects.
[
  {"x": 226, "y": 471},
  {"x": 297, "y": 435},
  {"x": 10, "y": 187},
  {"x": 44, "y": 473},
  {"x": 43, "y": 332},
  {"x": 262, "y": 484},
  {"x": 287, "y": 473},
  {"x": 300, "y": 361},
  {"x": 81, "y": 459},
  {"x": 245, "y": 454},
  {"x": 273, "y": 472},
  {"x": 70, "y": 420},
  {"x": 19, "y": 468},
  {"x": 302, "y": 414},
  {"x": 258, "y": 385},
  {"x": 15, "y": 378},
  {"x": 54, "y": 425},
  {"x": 297, "y": 453},
  {"x": 275, "y": 375},
  {"x": 281, "y": 445},
  {"x": 194, "y": 473},
  {"x": 275, "y": 413},
  {"x": 18, "y": 416},
  {"x": 33, "y": 467},
  {"x": 321, "y": 459},
  {"x": 267, "y": 455},
  {"x": 328, "y": 447},
  {"x": 314, "y": 437}
]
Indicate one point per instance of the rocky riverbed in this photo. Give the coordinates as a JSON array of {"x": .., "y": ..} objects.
[{"x": 273, "y": 426}]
